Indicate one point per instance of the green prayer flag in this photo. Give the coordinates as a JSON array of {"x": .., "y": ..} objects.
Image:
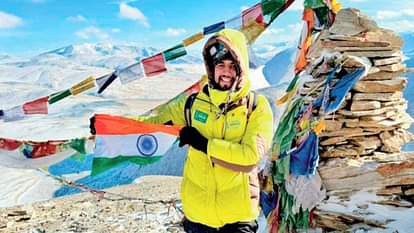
[
  {"x": 286, "y": 131},
  {"x": 174, "y": 52},
  {"x": 55, "y": 97},
  {"x": 78, "y": 144},
  {"x": 269, "y": 6},
  {"x": 313, "y": 4}
]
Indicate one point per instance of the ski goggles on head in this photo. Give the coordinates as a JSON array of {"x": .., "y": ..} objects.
[{"x": 219, "y": 52}]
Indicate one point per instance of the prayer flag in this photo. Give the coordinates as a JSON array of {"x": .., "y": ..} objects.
[
  {"x": 253, "y": 15},
  {"x": 13, "y": 114},
  {"x": 104, "y": 81},
  {"x": 83, "y": 86},
  {"x": 29, "y": 154},
  {"x": 213, "y": 28},
  {"x": 234, "y": 23},
  {"x": 174, "y": 52},
  {"x": 130, "y": 73},
  {"x": 154, "y": 65},
  {"x": 192, "y": 39},
  {"x": 38, "y": 106},
  {"x": 55, "y": 97}
]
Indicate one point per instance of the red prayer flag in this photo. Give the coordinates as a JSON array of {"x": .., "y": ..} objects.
[
  {"x": 9, "y": 144},
  {"x": 154, "y": 65},
  {"x": 38, "y": 106},
  {"x": 253, "y": 14}
]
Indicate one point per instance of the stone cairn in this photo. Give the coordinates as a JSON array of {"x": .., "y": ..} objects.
[{"x": 360, "y": 150}]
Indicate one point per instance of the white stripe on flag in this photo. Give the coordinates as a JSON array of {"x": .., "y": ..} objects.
[{"x": 145, "y": 145}]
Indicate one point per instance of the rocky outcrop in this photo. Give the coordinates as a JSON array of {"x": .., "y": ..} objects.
[{"x": 361, "y": 147}]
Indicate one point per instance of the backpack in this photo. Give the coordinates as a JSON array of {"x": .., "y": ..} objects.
[{"x": 251, "y": 105}]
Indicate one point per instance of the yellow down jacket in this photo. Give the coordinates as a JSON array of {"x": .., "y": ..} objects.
[{"x": 213, "y": 194}]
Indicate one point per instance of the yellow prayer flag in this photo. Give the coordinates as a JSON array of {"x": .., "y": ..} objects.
[
  {"x": 83, "y": 86},
  {"x": 192, "y": 39}
]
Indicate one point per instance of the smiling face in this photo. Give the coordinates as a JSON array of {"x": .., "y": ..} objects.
[{"x": 225, "y": 74}]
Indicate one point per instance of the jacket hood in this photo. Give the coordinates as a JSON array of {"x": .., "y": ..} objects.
[{"x": 236, "y": 43}]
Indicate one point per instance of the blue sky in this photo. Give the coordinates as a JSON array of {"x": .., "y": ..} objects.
[{"x": 34, "y": 26}]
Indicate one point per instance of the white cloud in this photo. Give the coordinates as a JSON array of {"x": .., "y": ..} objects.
[
  {"x": 403, "y": 25},
  {"x": 91, "y": 33},
  {"x": 132, "y": 13},
  {"x": 9, "y": 21},
  {"x": 76, "y": 19},
  {"x": 175, "y": 31},
  {"x": 115, "y": 30},
  {"x": 387, "y": 14}
]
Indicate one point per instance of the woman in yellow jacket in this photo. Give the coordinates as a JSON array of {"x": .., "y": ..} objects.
[{"x": 220, "y": 188}]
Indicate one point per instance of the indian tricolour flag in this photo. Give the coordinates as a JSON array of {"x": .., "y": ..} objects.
[{"x": 120, "y": 140}]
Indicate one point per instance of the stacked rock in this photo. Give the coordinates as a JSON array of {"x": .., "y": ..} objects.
[
  {"x": 373, "y": 119},
  {"x": 361, "y": 165}
]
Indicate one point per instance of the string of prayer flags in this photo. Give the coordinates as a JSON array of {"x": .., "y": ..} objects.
[
  {"x": 174, "y": 52},
  {"x": 29, "y": 154},
  {"x": 154, "y": 65},
  {"x": 251, "y": 22},
  {"x": 193, "y": 39},
  {"x": 38, "y": 106},
  {"x": 130, "y": 73},
  {"x": 82, "y": 86},
  {"x": 214, "y": 28},
  {"x": 104, "y": 81},
  {"x": 57, "y": 96}
]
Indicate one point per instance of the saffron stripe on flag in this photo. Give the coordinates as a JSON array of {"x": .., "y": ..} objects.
[
  {"x": 104, "y": 81},
  {"x": 115, "y": 125},
  {"x": 213, "y": 28},
  {"x": 130, "y": 73},
  {"x": 154, "y": 65},
  {"x": 38, "y": 106},
  {"x": 174, "y": 52},
  {"x": 55, "y": 97},
  {"x": 192, "y": 39},
  {"x": 82, "y": 86}
]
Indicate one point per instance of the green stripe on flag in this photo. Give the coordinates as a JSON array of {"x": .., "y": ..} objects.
[
  {"x": 55, "y": 97},
  {"x": 174, "y": 52},
  {"x": 100, "y": 164}
]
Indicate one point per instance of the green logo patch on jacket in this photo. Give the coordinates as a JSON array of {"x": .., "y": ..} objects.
[{"x": 200, "y": 116}]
